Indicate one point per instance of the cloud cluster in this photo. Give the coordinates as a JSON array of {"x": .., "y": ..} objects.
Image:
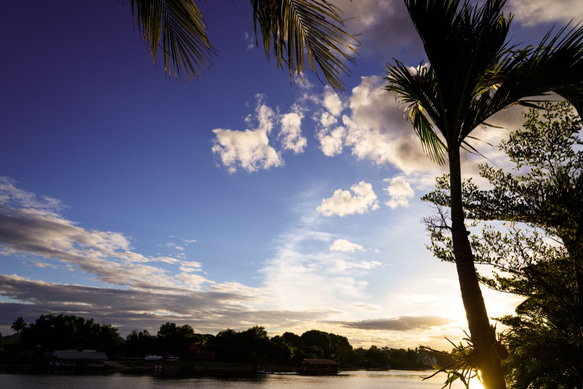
[
  {"x": 371, "y": 124},
  {"x": 368, "y": 122},
  {"x": 360, "y": 199},
  {"x": 253, "y": 149},
  {"x": 250, "y": 148},
  {"x": 136, "y": 291}
]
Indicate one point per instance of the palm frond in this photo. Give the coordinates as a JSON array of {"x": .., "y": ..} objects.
[
  {"x": 462, "y": 42},
  {"x": 300, "y": 31},
  {"x": 554, "y": 65},
  {"x": 416, "y": 90},
  {"x": 178, "y": 26}
]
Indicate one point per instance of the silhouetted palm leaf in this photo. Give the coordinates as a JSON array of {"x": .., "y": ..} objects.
[
  {"x": 293, "y": 31},
  {"x": 179, "y": 27},
  {"x": 296, "y": 31}
]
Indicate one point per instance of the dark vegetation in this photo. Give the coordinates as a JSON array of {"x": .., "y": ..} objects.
[
  {"x": 35, "y": 341},
  {"x": 535, "y": 250}
]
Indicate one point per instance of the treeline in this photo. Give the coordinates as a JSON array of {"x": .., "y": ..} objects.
[{"x": 59, "y": 332}]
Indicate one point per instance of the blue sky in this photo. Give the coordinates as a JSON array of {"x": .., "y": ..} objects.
[{"x": 236, "y": 200}]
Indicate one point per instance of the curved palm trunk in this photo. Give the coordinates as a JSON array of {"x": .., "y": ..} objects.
[{"x": 481, "y": 333}]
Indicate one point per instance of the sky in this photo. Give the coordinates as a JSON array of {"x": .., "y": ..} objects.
[{"x": 240, "y": 199}]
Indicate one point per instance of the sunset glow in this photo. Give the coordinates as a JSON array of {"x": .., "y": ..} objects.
[{"x": 232, "y": 201}]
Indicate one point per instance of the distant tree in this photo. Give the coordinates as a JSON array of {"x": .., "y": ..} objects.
[
  {"x": 57, "y": 332},
  {"x": 229, "y": 347},
  {"x": 18, "y": 325},
  {"x": 341, "y": 350},
  {"x": 543, "y": 263},
  {"x": 318, "y": 340},
  {"x": 376, "y": 358},
  {"x": 140, "y": 343},
  {"x": 256, "y": 344},
  {"x": 283, "y": 352},
  {"x": 293, "y": 339},
  {"x": 174, "y": 339}
]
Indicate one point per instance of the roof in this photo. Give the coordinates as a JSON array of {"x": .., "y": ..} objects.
[
  {"x": 319, "y": 361},
  {"x": 74, "y": 354}
]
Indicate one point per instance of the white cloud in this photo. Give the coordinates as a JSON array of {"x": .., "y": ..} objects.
[
  {"x": 345, "y": 246},
  {"x": 190, "y": 266},
  {"x": 250, "y": 148},
  {"x": 378, "y": 131},
  {"x": 291, "y": 131},
  {"x": 373, "y": 128},
  {"x": 257, "y": 148},
  {"x": 327, "y": 119},
  {"x": 400, "y": 192},
  {"x": 332, "y": 102},
  {"x": 331, "y": 141},
  {"x": 343, "y": 265},
  {"x": 360, "y": 199}
]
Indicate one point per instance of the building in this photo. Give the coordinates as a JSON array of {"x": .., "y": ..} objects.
[
  {"x": 77, "y": 359},
  {"x": 318, "y": 367},
  {"x": 202, "y": 351}
]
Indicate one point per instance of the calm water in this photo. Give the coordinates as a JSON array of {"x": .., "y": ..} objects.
[{"x": 347, "y": 380}]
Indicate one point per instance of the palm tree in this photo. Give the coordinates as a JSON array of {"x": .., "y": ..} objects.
[
  {"x": 472, "y": 73},
  {"x": 293, "y": 31}
]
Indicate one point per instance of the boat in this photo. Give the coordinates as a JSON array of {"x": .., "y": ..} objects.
[{"x": 150, "y": 357}]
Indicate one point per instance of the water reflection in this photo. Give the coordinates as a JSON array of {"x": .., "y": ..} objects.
[{"x": 393, "y": 379}]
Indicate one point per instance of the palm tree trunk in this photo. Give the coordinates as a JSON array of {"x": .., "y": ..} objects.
[
  {"x": 575, "y": 250},
  {"x": 481, "y": 332}
]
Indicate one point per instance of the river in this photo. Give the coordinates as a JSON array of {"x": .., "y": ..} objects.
[{"x": 393, "y": 379}]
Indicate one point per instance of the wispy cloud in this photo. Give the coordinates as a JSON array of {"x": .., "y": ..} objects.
[
  {"x": 33, "y": 227},
  {"x": 403, "y": 323},
  {"x": 532, "y": 12},
  {"x": 141, "y": 292}
]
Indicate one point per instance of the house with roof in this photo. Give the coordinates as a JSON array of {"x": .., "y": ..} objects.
[
  {"x": 318, "y": 367},
  {"x": 77, "y": 359}
]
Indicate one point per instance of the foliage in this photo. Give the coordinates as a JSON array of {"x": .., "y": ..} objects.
[
  {"x": 18, "y": 325},
  {"x": 293, "y": 31},
  {"x": 252, "y": 346},
  {"x": 173, "y": 339},
  {"x": 139, "y": 343},
  {"x": 539, "y": 254},
  {"x": 472, "y": 73},
  {"x": 68, "y": 332},
  {"x": 462, "y": 361}
]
